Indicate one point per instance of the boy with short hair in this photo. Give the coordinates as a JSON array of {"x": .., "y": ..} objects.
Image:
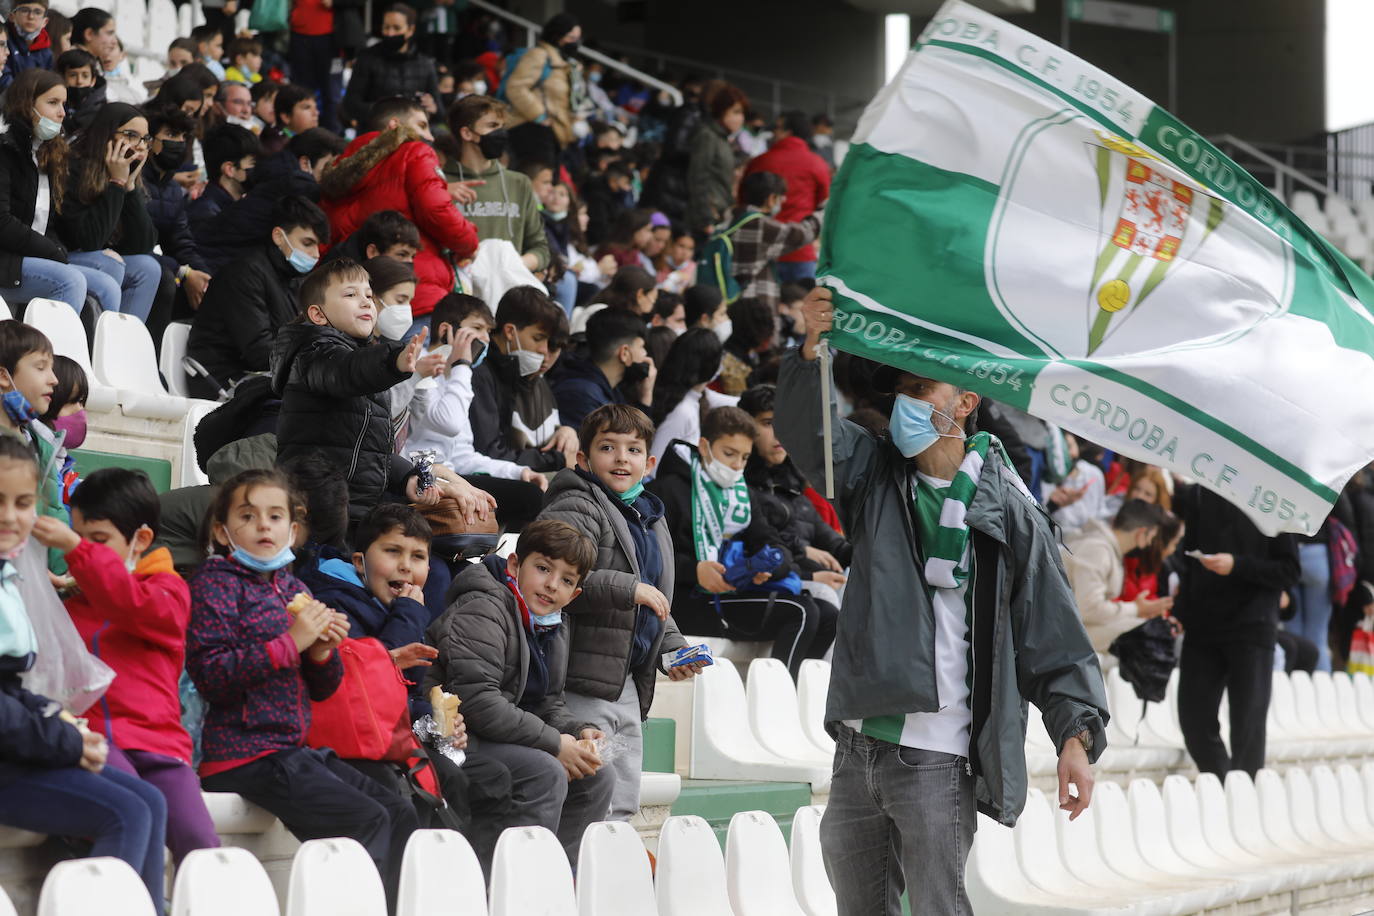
[
  {"x": 232, "y": 332},
  {"x": 334, "y": 376},
  {"x": 616, "y": 357},
  {"x": 386, "y": 233},
  {"x": 622, "y": 634},
  {"x": 293, "y": 112},
  {"x": 245, "y": 61},
  {"x": 80, "y": 72},
  {"x": 132, "y": 610},
  {"x": 503, "y": 650},
  {"x": 210, "y": 48},
  {"x": 30, "y": 45},
  {"x": 707, "y": 504},
  {"x": 526, "y": 323},
  {"x": 27, "y": 382}
]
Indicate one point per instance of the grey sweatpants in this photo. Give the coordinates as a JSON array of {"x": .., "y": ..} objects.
[{"x": 623, "y": 751}]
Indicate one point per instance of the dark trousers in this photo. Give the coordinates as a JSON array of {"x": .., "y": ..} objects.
[
  {"x": 801, "y": 626},
  {"x": 312, "y": 61},
  {"x": 124, "y": 816},
  {"x": 317, "y": 795},
  {"x": 189, "y": 826},
  {"x": 1245, "y": 672},
  {"x": 517, "y": 501},
  {"x": 478, "y": 795}
]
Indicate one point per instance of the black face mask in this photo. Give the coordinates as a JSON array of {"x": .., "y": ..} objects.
[
  {"x": 76, "y": 95},
  {"x": 635, "y": 373},
  {"x": 391, "y": 44},
  {"x": 570, "y": 49},
  {"x": 494, "y": 144},
  {"x": 172, "y": 155}
]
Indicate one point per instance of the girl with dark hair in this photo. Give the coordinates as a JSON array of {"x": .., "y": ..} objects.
[
  {"x": 632, "y": 233},
  {"x": 632, "y": 289},
  {"x": 34, "y": 166},
  {"x": 565, "y": 224},
  {"x": 680, "y": 393},
  {"x": 103, "y": 219},
  {"x": 393, "y": 288},
  {"x": 193, "y": 90},
  {"x": 752, "y": 329}
]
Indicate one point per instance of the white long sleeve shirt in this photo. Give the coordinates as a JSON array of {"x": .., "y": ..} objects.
[{"x": 440, "y": 422}]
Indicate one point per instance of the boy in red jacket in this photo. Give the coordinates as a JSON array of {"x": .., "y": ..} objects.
[{"x": 132, "y": 610}]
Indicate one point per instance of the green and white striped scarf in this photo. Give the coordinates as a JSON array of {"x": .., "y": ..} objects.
[
  {"x": 714, "y": 510},
  {"x": 945, "y": 556}
]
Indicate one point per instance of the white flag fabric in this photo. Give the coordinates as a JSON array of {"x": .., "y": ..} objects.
[{"x": 1015, "y": 221}]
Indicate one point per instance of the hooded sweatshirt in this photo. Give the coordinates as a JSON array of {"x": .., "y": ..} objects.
[
  {"x": 505, "y": 208},
  {"x": 135, "y": 622}
]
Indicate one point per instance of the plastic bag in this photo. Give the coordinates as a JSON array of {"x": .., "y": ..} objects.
[
  {"x": 268, "y": 15},
  {"x": 64, "y": 670},
  {"x": 497, "y": 269}
]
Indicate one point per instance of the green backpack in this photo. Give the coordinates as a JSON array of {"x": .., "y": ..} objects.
[{"x": 716, "y": 266}]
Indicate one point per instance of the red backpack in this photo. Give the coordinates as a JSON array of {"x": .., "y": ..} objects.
[{"x": 368, "y": 717}]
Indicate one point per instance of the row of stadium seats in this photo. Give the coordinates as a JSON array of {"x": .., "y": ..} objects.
[
  {"x": 757, "y": 876},
  {"x": 1299, "y": 842}
]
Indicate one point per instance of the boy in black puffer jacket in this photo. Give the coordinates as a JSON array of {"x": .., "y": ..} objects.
[{"x": 333, "y": 377}]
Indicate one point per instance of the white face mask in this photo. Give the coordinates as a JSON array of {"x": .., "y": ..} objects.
[
  {"x": 722, "y": 475},
  {"x": 394, "y": 321},
  {"x": 247, "y": 123},
  {"x": 479, "y": 87},
  {"x": 530, "y": 361},
  {"x": 724, "y": 330}
]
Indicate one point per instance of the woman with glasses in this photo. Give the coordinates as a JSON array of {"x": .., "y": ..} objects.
[
  {"x": 34, "y": 166},
  {"x": 104, "y": 219}
]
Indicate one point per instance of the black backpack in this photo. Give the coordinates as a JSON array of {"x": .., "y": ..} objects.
[{"x": 1147, "y": 658}]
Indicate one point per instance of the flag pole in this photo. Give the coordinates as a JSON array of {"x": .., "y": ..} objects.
[{"x": 823, "y": 354}]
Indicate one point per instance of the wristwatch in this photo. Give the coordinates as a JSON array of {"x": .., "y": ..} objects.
[{"x": 1085, "y": 738}]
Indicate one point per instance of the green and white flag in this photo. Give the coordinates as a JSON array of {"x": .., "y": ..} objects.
[{"x": 1015, "y": 221}]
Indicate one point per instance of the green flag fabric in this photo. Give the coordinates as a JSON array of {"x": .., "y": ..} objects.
[{"x": 1015, "y": 221}]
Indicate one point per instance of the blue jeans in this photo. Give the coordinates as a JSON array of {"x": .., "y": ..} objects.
[
  {"x": 565, "y": 293},
  {"x": 1312, "y": 619},
  {"x": 795, "y": 271},
  {"x": 135, "y": 281},
  {"x": 898, "y": 818},
  {"x": 40, "y": 278},
  {"x": 125, "y": 816}
]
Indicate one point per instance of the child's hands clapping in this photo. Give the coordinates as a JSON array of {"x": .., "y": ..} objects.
[
  {"x": 310, "y": 624},
  {"x": 51, "y": 532}
]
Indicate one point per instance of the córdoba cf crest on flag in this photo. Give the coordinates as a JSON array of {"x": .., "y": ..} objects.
[{"x": 1013, "y": 220}]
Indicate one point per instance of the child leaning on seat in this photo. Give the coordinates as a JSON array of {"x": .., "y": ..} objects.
[
  {"x": 258, "y": 664},
  {"x": 132, "y": 609},
  {"x": 621, "y": 628}
]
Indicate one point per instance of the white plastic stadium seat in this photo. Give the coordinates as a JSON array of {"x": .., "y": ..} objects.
[
  {"x": 723, "y": 744},
  {"x": 691, "y": 873},
  {"x": 169, "y": 360},
  {"x": 813, "y": 686},
  {"x": 809, "y": 881},
  {"x": 521, "y": 854},
  {"x": 334, "y": 877},
  {"x": 774, "y": 715},
  {"x": 757, "y": 871},
  {"x": 5, "y": 313},
  {"x": 440, "y": 874},
  {"x": 191, "y": 474},
  {"x": 6, "y": 906},
  {"x": 658, "y": 789},
  {"x": 223, "y": 882},
  {"x": 613, "y": 876},
  {"x": 63, "y": 328},
  {"x": 124, "y": 360},
  {"x": 104, "y": 885}
]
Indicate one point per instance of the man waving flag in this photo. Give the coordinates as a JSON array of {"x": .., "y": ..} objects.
[{"x": 1016, "y": 222}]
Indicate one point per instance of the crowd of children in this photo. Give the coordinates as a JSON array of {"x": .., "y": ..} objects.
[{"x": 329, "y": 250}]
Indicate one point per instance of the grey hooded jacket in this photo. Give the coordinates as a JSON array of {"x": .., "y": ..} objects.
[
  {"x": 1028, "y": 642},
  {"x": 603, "y": 617}
]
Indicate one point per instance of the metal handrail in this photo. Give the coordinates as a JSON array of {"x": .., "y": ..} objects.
[
  {"x": 1280, "y": 168},
  {"x": 532, "y": 29}
]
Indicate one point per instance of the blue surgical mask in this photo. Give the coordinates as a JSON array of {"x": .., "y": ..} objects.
[
  {"x": 911, "y": 427},
  {"x": 18, "y": 408},
  {"x": 283, "y": 557},
  {"x": 539, "y": 620},
  {"x": 302, "y": 262},
  {"x": 630, "y": 495},
  {"x": 46, "y": 129}
]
